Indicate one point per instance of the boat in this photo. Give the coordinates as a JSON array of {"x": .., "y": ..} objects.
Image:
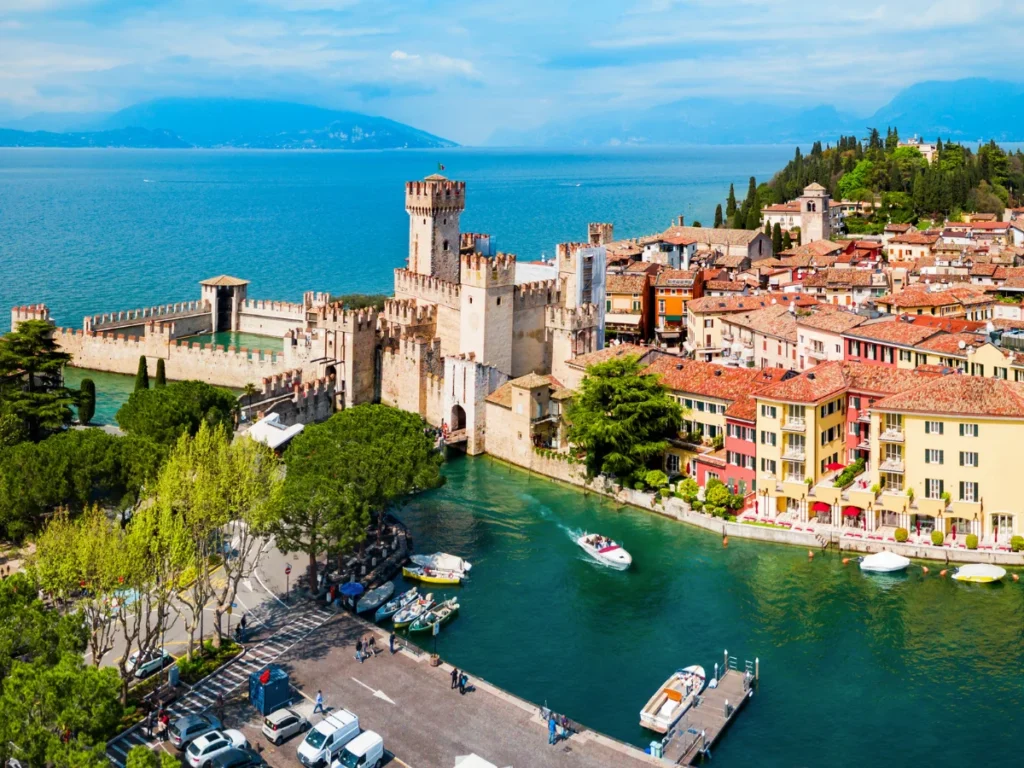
[
  {"x": 392, "y": 607},
  {"x": 375, "y": 597},
  {"x": 432, "y": 575},
  {"x": 605, "y": 551},
  {"x": 440, "y": 615},
  {"x": 444, "y": 562},
  {"x": 412, "y": 611},
  {"x": 672, "y": 699},
  {"x": 884, "y": 562},
  {"x": 979, "y": 573}
]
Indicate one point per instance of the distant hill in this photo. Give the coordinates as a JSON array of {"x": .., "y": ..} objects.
[
  {"x": 964, "y": 110},
  {"x": 140, "y": 138},
  {"x": 239, "y": 123}
]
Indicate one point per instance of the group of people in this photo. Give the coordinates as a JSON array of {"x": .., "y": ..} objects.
[
  {"x": 558, "y": 728},
  {"x": 598, "y": 542},
  {"x": 459, "y": 680},
  {"x": 157, "y": 723},
  {"x": 366, "y": 648}
]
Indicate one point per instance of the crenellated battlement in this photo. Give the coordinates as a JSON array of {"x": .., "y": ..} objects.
[
  {"x": 407, "y": 312},
  {"x": 435, "y": 194},
  {"x": 141, "y": 316},
  {"x": 600, "y": 233},
  {"x": 278, "y": 307},
  {"x": 565, "y": 254},
  {"x": 539, "y": 293},
  {"x": 426, "y": 288},
  {"x": 482, "y": 271},
  {"x": 280, "y": 384},
  {"x": 29, "y": 312},
  {"x": 315, "y": 299},
  {"x": 575, "y": 319},
  {"x": 335, "y": 316}
]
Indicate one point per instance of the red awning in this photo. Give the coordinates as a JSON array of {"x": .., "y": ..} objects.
[
  {"x": 834, "y": 467},
  {"x": 851, "y": 511},
  {"x": 821, "y": 506}
]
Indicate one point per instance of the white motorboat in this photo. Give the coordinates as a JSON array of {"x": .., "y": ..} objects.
[
  {"x": 442, "y": 561},
  {"x": 672, "y": 699},
  {"x": 884, "y": 562},
  {"x": 979, "y": 573},
  {"x": 375, "y": 598},
  {"x": 605, "y": 551}
]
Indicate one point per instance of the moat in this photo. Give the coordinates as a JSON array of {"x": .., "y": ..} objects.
[{"x": 855, "y": 669}]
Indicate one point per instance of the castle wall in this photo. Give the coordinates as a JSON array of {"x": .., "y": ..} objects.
[
  {"x": 310, "y": 403},
  {"x": 488, "y": 286},
  {"x": 270, "y": 318},
  {"x": 508, "y": 434},
  {"x": 530, "y": 349},
  {"x": 403, "y": 376},
  {"x": 467, "y": 384},
  {"x": 197, "y": 313}
]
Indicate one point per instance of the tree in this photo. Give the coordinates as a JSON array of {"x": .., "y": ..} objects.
[
  {"x": 768, "y": 230},
  {"x": 249, "y": 391},
  {"x": 31, "y": 632},
  {"x": 777, "y": 239},
  {"x": 166, "y": 413},
  {"x": 718, "y": 216},
  {"x": 144, "y": 757},
  {"x": 142, "y": 375},
  {"x": 730, "y": 203},
  {"x": 787, "y": 241},
  {"x": 621, "y": 417},
  {"x": 161, "y": 375},
  {"x": 31, "y": 368},
  {"x": 361, "y": 300},
  {"x": 86, "y": 401}
]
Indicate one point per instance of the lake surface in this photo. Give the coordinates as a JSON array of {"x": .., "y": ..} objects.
[
  {"x": 855, "y": 669},
  {"x": 88, "y": 231}
]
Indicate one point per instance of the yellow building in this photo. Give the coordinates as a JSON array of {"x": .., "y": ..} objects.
[{"x": 970, "y": 303}]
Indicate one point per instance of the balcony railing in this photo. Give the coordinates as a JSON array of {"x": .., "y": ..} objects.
[
  {"x": 794, "y": 478},
  {"x": 794, "y": 425},
  {"x": 864, "y": 417},
  {"x": 891, "y": 435},
  {"x": 794, "y": 453},
  {"x": 891, "y": 464}
]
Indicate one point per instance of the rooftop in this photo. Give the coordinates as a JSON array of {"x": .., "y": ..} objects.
[
  {"x": 893, "y": 331},
  {"x": 776, "y": 321},
  {"x": 712, "y": 236},
  {"x": 625, "y": 284},
  {"x": 710, "y": 379},
  {"x": 677, "y": 277},
  {"x": 960, "y": 395},
  {"x": 915, "y": 238},
  {"x": 503, "y": 395},
  {"x": 834, "y": 322},
  {"x": 224, "y": 280},
  {"x": 839, "y": 278},
  {"x": 814, "y": 248},
  {"x": 583, "y": 362}
]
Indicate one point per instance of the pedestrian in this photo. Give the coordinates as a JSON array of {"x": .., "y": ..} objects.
[
  {"x": 455, "y": 677},
  {"x": 149, "y": 724},
  {"x": 373, "y": 645},
  {"x": 463, "y": 682},
  {"x": 319, "y": 706},
  {"x": 391, "y": 643},
  {"x": 165, "y": 723},
  {"x": 359, "y": 650},
  {"x": 552, "y": 735},
  {"x": 219, "y": 707}
]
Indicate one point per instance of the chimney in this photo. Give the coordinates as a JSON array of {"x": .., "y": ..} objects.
[{"x": 680, "y": 222}]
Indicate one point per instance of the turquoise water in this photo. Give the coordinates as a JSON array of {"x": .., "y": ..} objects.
[
  {"x": 99, "y": 230},
  {"x": 855, "y": 670},
  {"x": 112, "y": 390},
  {"x": 250, "y": 341}
]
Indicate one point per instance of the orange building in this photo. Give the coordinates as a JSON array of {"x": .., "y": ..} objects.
[{"x": 673, "y": 288}]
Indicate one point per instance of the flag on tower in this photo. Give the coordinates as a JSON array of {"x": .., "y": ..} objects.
[{"x": 440, "y": 167}]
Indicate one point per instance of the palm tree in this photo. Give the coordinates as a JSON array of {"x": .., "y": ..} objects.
[{"x": 249, "y": 391}]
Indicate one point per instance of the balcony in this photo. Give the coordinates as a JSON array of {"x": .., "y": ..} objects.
[
  {"x": 864, "y": 417},
  {"x": 891, "y": 464},
  {"x": 794, "y": 453},
  {"x": 891, "y": 435},
  {"x": 794, "y": 425}
]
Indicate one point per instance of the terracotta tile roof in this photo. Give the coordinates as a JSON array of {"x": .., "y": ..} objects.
[
  {"x": 814, "y": 248},
  {"x": 901, "y": 264},
  {"x": 922, "y": 297},
  {"x": 731, "y": 262},
  {"x": 725, "y": 304},
  {"x": 676, "y": 277},
  {"x": 503, "y": 395},
  {"x": 1005, "y": 273},
  {"x": 582, "y": 362},
  {"x": 947, "y": 324},
  {"x": 679, "y": 239},
  {"x": 225, "y": 280},
  {"x": 834, "y": 322},
  {"x": 711, "y": 379},
  {"x": 715, "y": 459},
  {"x": 893, "y": 331},
  {"x": 644, "y": 268},
  {"x": 822, "y": 381},
  {"x": 1007, "y": 324},
  {"x": 791, "y": 207},
  {"x": 960, "y": 395},
  {"x": 775, "y": 321},
  {"x": 839, "y": 278},
  {"x": 985, "y": 270},
  {"x": 989, "y": 225},
  {"x": 885, "y": 380},
  {"x": 710, "y": 236},
  {"x": 915, "y": 238},
  {"x": 898, "y": 227},
  {"x": 625, "y": 284},
  {"x": 949, "y": 343},
  {"x": 725, "y": 285}
]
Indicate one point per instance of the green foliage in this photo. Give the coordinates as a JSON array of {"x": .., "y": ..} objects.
[
  {"x": 876, "y": 488},
  {"x": 166, "y": 413},
  {"x": 199, "y": 666},
  {"x": 86, "y": 401},
  {"x": 688, "y": 490},
  {"x": 846, "y": 477},
  {"x": 730, "y": 203},
  {"x": 622, "y": 418},
  {"x": 856, "y": 180},
  {"x": 901, "y": 534},
  {"x": 161, "y": 374},
  {"x": 718, "y": 441},
  {"x": 29, "y": 631},
  {"x": 718, "y": 216},
  {"x": 719, "y": 501},
  {"x": 142, "y": 375},
  {"x": 787, "y": 241},
  {"x": 361, "y": 300},
  {"x": 640, "y": 485},
  {"x": 32, "y": 390},
  {"x": 937, "y": 538},
  {"x": 656, "y": 479},
  {"x": 777, "y": 239},
  {"x": 972, "y": 541},
  {"x": 1017, "y": 543},
  {"x": 664, "y": 493}
]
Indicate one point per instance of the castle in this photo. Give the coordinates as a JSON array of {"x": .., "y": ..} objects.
[{"x": 464, "y": 319}]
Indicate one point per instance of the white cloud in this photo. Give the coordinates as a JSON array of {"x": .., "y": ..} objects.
[{"x": 433, "y": 63}]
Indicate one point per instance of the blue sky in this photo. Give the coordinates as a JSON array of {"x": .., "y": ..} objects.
[{"x": 464, "y": 68}]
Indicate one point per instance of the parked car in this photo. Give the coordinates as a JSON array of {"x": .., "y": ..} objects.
[
  {"x": 190, "y": 727},
  {"x": 364, "y": 751},
  {"x": 282, "y": 724},
  {"x": 145, "y": 664},
  {"x": 202, "y": 751},
  {"x": 238, "y": 757},
  {"x": 324, "y": 741}
]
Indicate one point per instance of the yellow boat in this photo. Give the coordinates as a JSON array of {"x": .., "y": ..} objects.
[
  {"x": 979, "y": 573},
  {"x": 431, "y": 575}
]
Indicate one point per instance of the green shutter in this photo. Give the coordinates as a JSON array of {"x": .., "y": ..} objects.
[
  {"x": 961, "y": 490},
  {"x": 941, "y": 487},
  {"x": 961, "y": 458},
  {"x": 961, "y": 430}
]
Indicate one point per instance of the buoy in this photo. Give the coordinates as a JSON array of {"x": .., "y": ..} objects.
[
  {"x": 924, "y": 569},
  {"x": 725, "y": 541},
  {"x": 846, "y": 560},
  {"x": 810, "y": 554},
  {"x": 942, "y": 573},
  {"x": 1015, "y": 576}
]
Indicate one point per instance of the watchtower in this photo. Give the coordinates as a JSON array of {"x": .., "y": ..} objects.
[
  {"x": 434, "y": 206},
  {"x": 486, "y": 308},
  {"x": 814, "y": 214}
]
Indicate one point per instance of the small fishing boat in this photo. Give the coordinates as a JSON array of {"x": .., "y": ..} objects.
[
  {"x": 392, "y": 607},
  {"x": 413, "y": 611},
  {"x": 375, "y": 597},
  {"x": 884, "y": 562},
  {"x": 672, "y": 699},
  {"x": 605, "y": 551},
  {"x": 440, "y": 615},
  {"x": 432, "y": 575},
  {"x": 979, "y": 573},
  {"x": 444, "y": 562}
]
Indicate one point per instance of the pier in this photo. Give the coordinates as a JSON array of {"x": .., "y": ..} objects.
[{"x": 711, "y": 714}]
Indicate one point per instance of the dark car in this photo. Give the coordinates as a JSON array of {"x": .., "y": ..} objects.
[{"x": 238, "y": 757}]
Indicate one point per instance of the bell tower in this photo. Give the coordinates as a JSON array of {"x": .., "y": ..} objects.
[{"x": 434, "y": 206}]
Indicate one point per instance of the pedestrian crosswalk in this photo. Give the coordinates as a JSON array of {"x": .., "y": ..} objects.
[{"x": 297, "y": 625}]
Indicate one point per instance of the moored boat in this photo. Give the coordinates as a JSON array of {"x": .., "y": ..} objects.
[
  {"x": 605, "y": 551},
  {"x": 979, "y": 573},
  {"x": 392, "y": 607},
  {"x": 441, "y": 615},
  {"x": 407, "y": 615},
  {"x": 884, "y": 562},
  {"x": 375, "y": 597},
  {"x": 672, "y": 699},
  {"x": 444, "y": 562},
  {"x": 432, "y": 575}
]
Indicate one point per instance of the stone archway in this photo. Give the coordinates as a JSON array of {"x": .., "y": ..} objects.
[{"x": 458, "y": 419}]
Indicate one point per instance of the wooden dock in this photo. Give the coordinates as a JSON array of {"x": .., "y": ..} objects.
[{"x": 705, "y": 721}]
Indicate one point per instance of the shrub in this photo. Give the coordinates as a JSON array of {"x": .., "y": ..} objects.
[
  {"x": 1017, "y": 543},
  {"x": 86, "y": 401},
  {"x": 639, "y": 485},
  {"x": 876, "y": 488},
  {"x": 937, "y": 538},
  {"x": 901, "y": 534},
  {"x": 731, "y": 518},
  {"x": 688, "y": 490},
  {"x": 664, "y": 493},
  {"x": 656, "y": 479},
  {"x": 946, "y": 497},
  {"x": 718, "y": 441},
  {"x": 972, "y": 541},
  {"x": 910, "y": 493},
  {"x": 846, "y": 477}
]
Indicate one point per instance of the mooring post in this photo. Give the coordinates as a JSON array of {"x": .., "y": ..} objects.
[
  {"x": 757, "y": 669},
  {"x": 726, "y": 709},
  {"x": 725, "y": 664}
]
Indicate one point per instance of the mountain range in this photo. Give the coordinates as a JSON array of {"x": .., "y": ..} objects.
[
  {"x": 964, "y": 110},
  {"x": 230, "y": 123}
]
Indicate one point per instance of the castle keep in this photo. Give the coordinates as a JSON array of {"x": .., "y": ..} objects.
[{"x": 464, "y": 319}]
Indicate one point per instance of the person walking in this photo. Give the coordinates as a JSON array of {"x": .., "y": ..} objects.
[
  {"x": 359, "y": 650},
  {"x": 319, "y": 706},
  {"x": 371, "y": 646},
  {"x": 463, "y": 682},
  {"x": 552, "y": 733},
  {"x": 149, "y": 724},
  {"x": 391, "y": 643},
  {"x": 165, "y": 723},
  {"x": 455, "y": 677},
  {"x": 218, "y": 707}
]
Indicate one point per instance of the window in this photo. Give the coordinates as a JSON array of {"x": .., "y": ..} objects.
[
  {"x": 608, "y": 305},
  {"x": 768, "y": 465},
  {"x": 968, "y": 458},
  {"x": 969, "y": 492},
  {"x": 968, "y": 430},
  {"x": 661, "y": 306},
  {"x": 935, "y": 428},
  {"x": 636, "y": 306},
  {"x": 905, "y": 356},
  {"x": 855, "y": 402},
  {"x": 700, "y": 405},
  {"x": 688, "y": 403},
  {"x": 672, "y": 464},
  {"x": 1000, "y": 373},
  {"x": 768, "y": 411},
  {"x": 934, "y": 456},
  {"x": 767, "y": 438},
  {"x": 709, "y": 323}
]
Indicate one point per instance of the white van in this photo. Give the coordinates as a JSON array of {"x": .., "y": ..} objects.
[
  {"x": 324, "y": 741},
  {"x": 364, "y": 751}
]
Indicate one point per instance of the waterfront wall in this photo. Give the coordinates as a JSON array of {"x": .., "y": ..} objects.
[{"x": 270, "y": 318}]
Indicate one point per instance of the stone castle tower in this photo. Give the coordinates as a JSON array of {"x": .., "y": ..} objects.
[
  {"x": 815, "y": 223},
  {"x": 434, "y": 206},
  {"x": 487, "y": 302}
]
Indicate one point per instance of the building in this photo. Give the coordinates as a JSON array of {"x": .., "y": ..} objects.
[
  {"x": 812, "y": 213},
  {"x": 889, "y": 342},
  {"x": 674, "y": 251},
  {"x": 629, "y": 307},
  {"x": 845, "y": 287},
  {"x": 763, "y": 338},
  {"x": 912, "y": 246},
  {"x": 894, "y": 230},
  {"x": 576, "y": 367},
  {"x": 673, "y": 290},
  {"x": 524, "y": 415},
  {"x": 927, "y": 150},
  {"x": 750, "y": 243},
  {"x": 820, "y": 336},
  {"x": 967, "y": 302}
]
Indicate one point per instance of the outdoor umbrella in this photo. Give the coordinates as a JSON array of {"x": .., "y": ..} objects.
[{"x": 834, "y": 467}]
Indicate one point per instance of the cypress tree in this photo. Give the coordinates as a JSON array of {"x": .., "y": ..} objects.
[
  {"x": 142, "y": 375},
  {"x": 752, "y": 192},
  {"x": 718, "y": 216},
  {"x": 767, "y": 229},
  {"x": 730, "y": 204},
  {"x": 86, "y": 401},
  {"x": 753, "y": 217},
  {"x": 777, "y": 239},
  {"x": 787, "y": 241},
  {"x": 161, "y": 378}
]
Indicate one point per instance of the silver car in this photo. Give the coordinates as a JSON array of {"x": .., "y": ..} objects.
[
  {"x": 190, "y": 727},
  {"x": 282, "y": 724},
  {"x": 145, "y": 664}
]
